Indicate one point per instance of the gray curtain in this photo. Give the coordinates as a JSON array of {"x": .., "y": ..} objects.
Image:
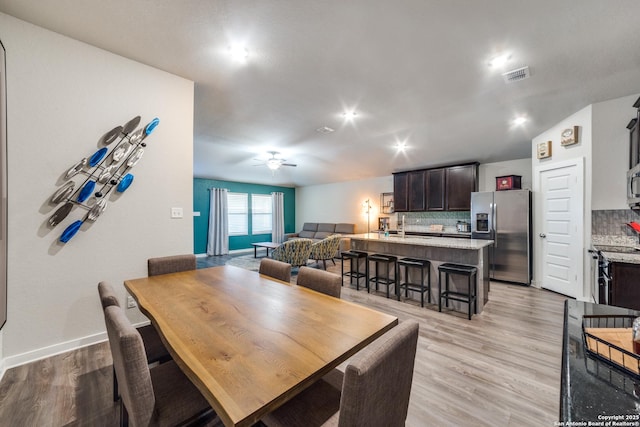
[
  {"x": 218, "y": 237},
  {"x": 277, "y": 218}
]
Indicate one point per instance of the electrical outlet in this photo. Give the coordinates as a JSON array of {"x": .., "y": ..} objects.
[
  {"x": 131, "y": 303},
  {"x": 176, "y": 213}
]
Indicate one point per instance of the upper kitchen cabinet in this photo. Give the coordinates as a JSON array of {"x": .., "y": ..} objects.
[
  {"x": 401, "y": 191},
  {"x": 416, "y": 191},
  {"x": 435, "y": 179},
  {"x": 438, "y": 189},
  {"x": 460, "y": 182}
]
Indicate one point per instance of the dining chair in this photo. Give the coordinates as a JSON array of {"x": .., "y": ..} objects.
[
  {"x": 171, "y": 264},
  {"x": 160, "y": 396},
  {"x": 277, "y": 269},
  {"x": 155, "y": 350},
  {"x": 320, "y": 280},
  {"x": 375, "y": 388}
]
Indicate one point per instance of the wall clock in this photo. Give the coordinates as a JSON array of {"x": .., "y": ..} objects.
[{"x": 569, "y": 136}]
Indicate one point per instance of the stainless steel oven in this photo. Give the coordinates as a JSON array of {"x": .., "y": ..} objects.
[{"x": 633, "y": 187}]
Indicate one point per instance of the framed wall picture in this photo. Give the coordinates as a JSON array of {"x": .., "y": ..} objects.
[
  {"x": 544, "y": 150},
  {"x": 569, "y": 136}
]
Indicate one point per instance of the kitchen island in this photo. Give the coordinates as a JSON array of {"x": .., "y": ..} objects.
[{"x": 438, "y": 250}]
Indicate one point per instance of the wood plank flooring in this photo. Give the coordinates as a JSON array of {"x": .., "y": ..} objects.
[{"x": 502, "y": 368}]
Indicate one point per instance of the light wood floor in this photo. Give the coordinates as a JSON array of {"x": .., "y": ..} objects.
[{"x": 500, "y": 369}]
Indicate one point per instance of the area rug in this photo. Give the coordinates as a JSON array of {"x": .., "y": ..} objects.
[{"x": 248, "y": 262}]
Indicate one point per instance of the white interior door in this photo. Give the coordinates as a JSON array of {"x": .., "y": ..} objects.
[{"x": 561, "y": 194}]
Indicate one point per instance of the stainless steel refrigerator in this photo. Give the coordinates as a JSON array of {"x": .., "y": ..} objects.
[{"x": 505, "y": 218}]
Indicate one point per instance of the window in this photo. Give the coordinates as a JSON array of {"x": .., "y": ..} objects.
[
  {"x": 261, "y": 213},
  {"x": 238, "y": 214}
]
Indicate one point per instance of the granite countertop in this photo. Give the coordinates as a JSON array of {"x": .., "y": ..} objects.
[
  {"x": 590, "y": 389},
  {"x": 612, "y": 254},
  {"x": 441, "y": 242}
]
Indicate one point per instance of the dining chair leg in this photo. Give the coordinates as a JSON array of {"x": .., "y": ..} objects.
[{"x": 116, "y": 393}]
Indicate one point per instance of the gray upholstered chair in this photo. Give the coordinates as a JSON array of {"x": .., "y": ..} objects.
[
  {"x": 276, "y": 269},
  {"x": 161, "y": 396},
  {"x": 325, "y": 249},
  {"x": 375, "y": 388},
  {"x": 320, "y": 281},
  {"x": 171, "y": 264},
  {"x": 155, "y": 350}
]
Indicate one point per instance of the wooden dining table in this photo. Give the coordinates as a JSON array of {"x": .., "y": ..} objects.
[{"x": 249, "y": 342}]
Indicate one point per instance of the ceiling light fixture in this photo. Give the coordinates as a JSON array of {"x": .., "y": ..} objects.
[
  {"x": 519, "y": 120},
  {"x": 401, "y": 145},
  {"x": 500, "y": 60},
  {"x": 274, "y": 164},
  {"x": 349, "y": 115},
  {"x": 239, "y": 53}
]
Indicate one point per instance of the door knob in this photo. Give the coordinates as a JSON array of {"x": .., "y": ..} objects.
[{"x": 543, "y": 235}]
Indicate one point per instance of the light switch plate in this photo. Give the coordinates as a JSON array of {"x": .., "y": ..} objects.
[{"x": 176, "y": 213}]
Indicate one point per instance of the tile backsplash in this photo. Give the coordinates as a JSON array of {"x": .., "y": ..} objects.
[
  {"x": 421, "y": 221},
  {"x": 613, "y": 222}
]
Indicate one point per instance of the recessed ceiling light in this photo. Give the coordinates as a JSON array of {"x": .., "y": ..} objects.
[
  {"x": 401, "y": 145},
  {"x": 519, "y": 120},
  {"x": 500, "y": 60},
  {"x": 349, "y": 115},
  {"x": 239, "y": 52}
]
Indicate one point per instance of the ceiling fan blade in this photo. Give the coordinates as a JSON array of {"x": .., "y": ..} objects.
[{"x": 288, "y": 164}]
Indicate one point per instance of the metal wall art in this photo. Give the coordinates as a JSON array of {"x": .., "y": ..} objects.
[{"x": 103, "y": 171}]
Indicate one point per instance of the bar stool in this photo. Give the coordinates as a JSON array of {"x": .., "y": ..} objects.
[
  {"x": 417, "y": 264},
  {"x": 463, "y": 270},
  {"x": 354, "y": 258},
  {"x": 388, "y": 261}
]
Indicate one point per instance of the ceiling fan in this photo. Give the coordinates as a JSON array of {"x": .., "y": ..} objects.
[{"x": 274, "y": 162}]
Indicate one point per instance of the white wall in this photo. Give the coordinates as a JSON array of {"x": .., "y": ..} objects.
[
  {"x": 342, "y": 202},
  {"x": 611, "y": 152},
  {"x": 580, "y": 152},
  {"x": 63, "y": 95},
  {"x": 487, "y": 173}
]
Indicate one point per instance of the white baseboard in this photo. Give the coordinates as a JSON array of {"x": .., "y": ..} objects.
[{"x": 53, "y": 350}]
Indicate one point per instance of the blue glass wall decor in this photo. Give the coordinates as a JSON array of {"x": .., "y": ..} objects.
[{"x": 102, "y": 172}]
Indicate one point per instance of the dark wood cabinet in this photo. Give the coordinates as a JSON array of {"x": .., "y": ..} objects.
[
  {"x": 625, "y": 285},
  {"x": 435, "y": 179},
  {"x": 401, "y": 191},
  {"x": 437, "y": 189},
  {"x": 416, "y": 191},
  {"x": 460, "y": 181}
]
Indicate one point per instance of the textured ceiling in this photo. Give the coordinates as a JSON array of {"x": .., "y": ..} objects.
[{"x": 414, "y": 70}]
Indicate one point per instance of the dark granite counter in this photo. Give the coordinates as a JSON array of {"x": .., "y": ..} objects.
[{"x": 592, "y": 392}]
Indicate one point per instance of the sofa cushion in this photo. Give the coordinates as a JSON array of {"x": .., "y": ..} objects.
[
  {"x": 345, "y": 228},
  {"x": 326, "y": 227},
  {"x": 307, "y": 234},
  {"x": 322, "y": 234},
  {"x": 310, "y": 226}
]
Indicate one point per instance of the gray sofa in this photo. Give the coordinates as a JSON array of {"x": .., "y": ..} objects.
[{"x": 318, "y": 231}]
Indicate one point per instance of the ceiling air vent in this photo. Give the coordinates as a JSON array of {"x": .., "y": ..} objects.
[
  {"x": 324, "y": 129},
  {"x": 516, "y": 75}
]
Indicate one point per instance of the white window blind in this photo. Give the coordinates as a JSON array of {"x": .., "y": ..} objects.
[
  {"x": 238, "y": 214},
  {"x": 261, "y": 206}
]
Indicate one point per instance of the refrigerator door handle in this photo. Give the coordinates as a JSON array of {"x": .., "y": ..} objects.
[{"x": 495, "y": 225}]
